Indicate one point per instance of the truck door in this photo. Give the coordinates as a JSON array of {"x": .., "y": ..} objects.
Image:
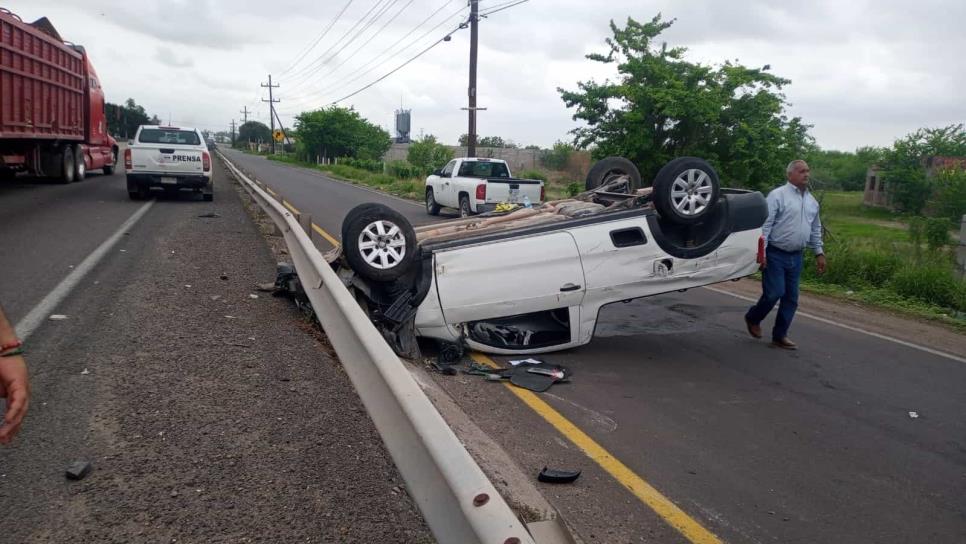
[
  {"x": 509, "y": 278},
  {"x": 447, "y": 193}
]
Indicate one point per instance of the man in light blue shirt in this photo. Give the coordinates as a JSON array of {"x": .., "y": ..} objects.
[{"x": 792, "y": 225}]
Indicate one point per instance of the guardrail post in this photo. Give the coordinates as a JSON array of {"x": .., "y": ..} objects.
[
  {"x": 961, "y": 250},
  {"x": 305, "y": 220}
]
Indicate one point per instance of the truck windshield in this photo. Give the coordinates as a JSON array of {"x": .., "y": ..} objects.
[
  {"x": 483, "y": 169},
  {"x": 174, "y": 136}
]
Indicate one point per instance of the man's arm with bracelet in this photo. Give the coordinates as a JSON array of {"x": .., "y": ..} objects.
[{"x": 14, "y": 385}]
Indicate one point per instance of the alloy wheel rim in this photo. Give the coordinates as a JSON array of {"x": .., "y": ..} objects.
[
  {"x": 382, "y": 245},
  {"x": 691, "y": 192}
]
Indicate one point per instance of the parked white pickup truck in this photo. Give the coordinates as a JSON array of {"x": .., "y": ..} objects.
[
  {"x": 171, "y": 158},
  {"x": 477, "y": 185}
]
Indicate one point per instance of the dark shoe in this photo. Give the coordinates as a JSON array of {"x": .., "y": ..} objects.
[
  {"x": 784, "y": 343},
  {"x": 754, "y": 330}
]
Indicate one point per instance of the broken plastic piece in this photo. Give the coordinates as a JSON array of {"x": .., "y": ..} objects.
[
  {"x": 553, "y": 476},
  {"x": 78, "y": 470}
]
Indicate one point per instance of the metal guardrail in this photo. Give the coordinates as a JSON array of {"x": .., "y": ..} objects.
[{"x": 456, "y": 499}]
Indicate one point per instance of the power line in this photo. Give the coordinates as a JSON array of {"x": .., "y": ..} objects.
[
  {"x": 317, "y": 40},
  {"x": 361, "y": 72},
  {"x": 319, "y": 62},
  {"x": 501, "y": 7},
  {"x": 396, "y": 69},
  {"x": 361, "y": 31},
  {"x": 344, "y": 84},
  {"x": 361, "y": 47}
]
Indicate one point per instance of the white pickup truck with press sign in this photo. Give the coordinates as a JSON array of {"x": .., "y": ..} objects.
[
  {"x": 477, "y": 185},
  {"x": 170, "y": 158}
]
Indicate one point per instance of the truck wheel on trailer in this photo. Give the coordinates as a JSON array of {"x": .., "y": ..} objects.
[
  {"x": 66, "y": 156},
  {"x": 80, "y": 165},
  {"x": 109, "y": 168}
]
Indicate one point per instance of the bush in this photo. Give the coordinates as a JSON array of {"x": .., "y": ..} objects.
[
  {"x": 533, "y": 174},
  {"x": 383, "y": 179},
  {"x": 574, "y": 188},
  {"x": 937, "y": 232},
  {"x": 930, "y": 282},
  {"x": 404, "y": 170},
  {"x": 556, "y": 157},
  {"x": 427, "y": 154},
  {"x": 950, "y": 197}
]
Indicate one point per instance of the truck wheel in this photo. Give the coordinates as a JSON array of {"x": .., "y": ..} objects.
[
  {"x": 686, "y": 190},
  {"x": 379, "y": 242},
  {"x": 432, "y": 208},
  {"x": 465, "y": 210},
  {"x": 80, "y": 166},
  {"x": 66, "y": 165},
  {"x": 610, "y": 169},
  {"x": 109, "y": 168}
]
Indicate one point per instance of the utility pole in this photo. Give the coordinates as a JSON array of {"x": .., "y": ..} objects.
[
  {"x": 271, "y": 104},
  {"x": 233, "y": 133},
  {"x": 471, "y": 92},
  {"x": 245, "y": 112}
]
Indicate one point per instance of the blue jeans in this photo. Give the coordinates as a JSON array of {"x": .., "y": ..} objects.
[{"x": 779, "y": 281}]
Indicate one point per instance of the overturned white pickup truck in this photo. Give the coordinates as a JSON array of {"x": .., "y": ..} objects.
[{"x": 534, "y": 280}]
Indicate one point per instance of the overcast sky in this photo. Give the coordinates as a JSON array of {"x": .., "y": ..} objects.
[{"x": 863, "y": 72}]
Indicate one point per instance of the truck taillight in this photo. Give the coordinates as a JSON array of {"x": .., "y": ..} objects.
[
  {"x": 543, "y": 193},
  {"x": 481, "y": 192},
  {"x": 127, "y": 159},
  {"x": 761, "y": 250},
  {"x": 205, "y": 161}
]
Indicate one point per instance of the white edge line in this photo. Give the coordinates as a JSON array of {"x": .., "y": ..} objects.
[
  {"x": 321, "y": 174},
  {"x": 851, "y": 328},
  {"x": 42, "y": 310}
]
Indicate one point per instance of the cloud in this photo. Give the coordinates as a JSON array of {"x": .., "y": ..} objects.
[
  {"x": 179, "y": 22},
  {"x": 168, "y": 57}
]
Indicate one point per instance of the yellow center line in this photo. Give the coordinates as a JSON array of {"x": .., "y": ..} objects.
[
  {"x": 325, "y": 235},
  {"x": 669, "y": 512}
]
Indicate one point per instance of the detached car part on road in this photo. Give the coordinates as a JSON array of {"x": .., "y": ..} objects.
[
  {"x": 170, "y": 158},
  {"x": 534, "y": 280}
]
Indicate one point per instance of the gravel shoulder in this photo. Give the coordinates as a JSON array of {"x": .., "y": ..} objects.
[{"x": 208, "y": 415}]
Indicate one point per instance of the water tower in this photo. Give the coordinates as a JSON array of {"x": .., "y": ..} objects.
[{"x": 403, "y": 126}]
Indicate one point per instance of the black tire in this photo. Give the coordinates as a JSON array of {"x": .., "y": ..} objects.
[
  {"x": 604, "y": 169},
  {"x": 392, "y": 254},
  {"x": 350, "y": 217},
  {"x": 465, "y": 210},
  {"x": 80, "y": 166},
  {"x": 109, "y": 168},
  {"x": 432, "y": 208},
  {"x": 66, "y": 174},
  {"x": 686, "y": 190},
  {"x": 208, "y": 197},
  {"x": 7, "y": 174},
  {"x": 134, "y": 195}
]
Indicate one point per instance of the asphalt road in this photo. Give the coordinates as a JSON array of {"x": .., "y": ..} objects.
[
  {"x": 208, "y": 415},
  {"x": 755, "y": 444}
]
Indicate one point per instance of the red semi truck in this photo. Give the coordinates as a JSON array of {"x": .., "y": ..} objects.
[{"x": 52, "y": 119}]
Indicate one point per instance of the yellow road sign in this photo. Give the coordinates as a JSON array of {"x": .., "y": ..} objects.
[{"x": 278, "y": 135}]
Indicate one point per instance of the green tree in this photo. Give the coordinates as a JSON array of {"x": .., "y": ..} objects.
[
  {"x": 904, "y": 165},
  {"x": 842, "y": 169},
  {"x": 339, "y": 132},
  {"x": 427, "y": 154},
  {"x": 488, "y": 141},
  {"x": 557, "y": 156},
  {"x": 662, "y": 107},
  {"x": 123, "y": 120},
  {"x": 253, "y": 131}
]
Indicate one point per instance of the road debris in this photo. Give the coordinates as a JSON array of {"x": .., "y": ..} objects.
[
  {"x": 85, "y": 372},
  {"x": 224, "y": 277},
  {"x": 253, "y": 296},
  {"x": 58, "y": 317},
  {"x": 209, "y": 215},
  {"x": 78, "y": 470},
  {"x": 553, "y": 476},
  {"x": 525, "y": 362},
  {"x": 914, "y": 415}
]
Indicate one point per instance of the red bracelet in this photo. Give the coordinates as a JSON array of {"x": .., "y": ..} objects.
[{"x": 11, "y": 345}]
